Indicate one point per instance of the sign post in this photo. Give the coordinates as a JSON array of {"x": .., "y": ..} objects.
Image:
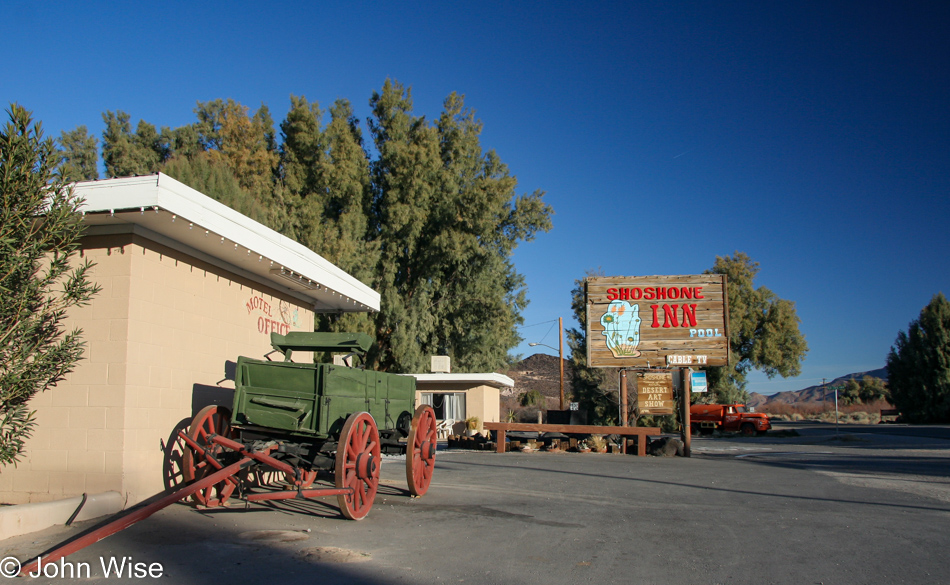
[
  {"x": 687, "y": 434},
  {"x": 623, "y": 398}
]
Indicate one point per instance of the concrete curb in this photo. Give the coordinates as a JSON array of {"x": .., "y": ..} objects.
[{"x": 26, "y": 518}]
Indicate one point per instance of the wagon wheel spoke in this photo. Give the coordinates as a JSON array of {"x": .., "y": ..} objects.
[{"x": 420, "y": 450}]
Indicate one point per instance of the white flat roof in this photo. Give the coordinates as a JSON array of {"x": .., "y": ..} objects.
[
  {"x": 161, "y": 208},
  {"x": 489, "y": 379}
]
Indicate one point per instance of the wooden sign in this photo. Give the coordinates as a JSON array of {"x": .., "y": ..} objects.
[
  {"x": 651, "y": 321},
  {"x": 655, "y": 392}
]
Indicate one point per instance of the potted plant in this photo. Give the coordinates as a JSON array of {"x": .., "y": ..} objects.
[
  {"x": 583, "y": 447},
  {"x": 598, "y": 444},
  {"x": 471, "y": 426}
]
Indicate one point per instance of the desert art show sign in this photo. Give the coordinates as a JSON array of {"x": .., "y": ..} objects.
[
  {"x": 657, "y": 321},
  {"x": 655, "y": 392}
]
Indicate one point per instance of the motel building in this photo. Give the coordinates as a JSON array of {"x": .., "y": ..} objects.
[{"x": 188, "y": 285}]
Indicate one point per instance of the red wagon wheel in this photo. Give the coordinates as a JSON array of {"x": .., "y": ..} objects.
[
  {"x": 211, "y": 420},
  {"x": 420, "y": 450},
  {"x": 357, "y": 465}
]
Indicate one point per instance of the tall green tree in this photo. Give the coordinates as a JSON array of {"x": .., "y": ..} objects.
[
  {"x": 406, "y": 178},
  {"x": 594, "y": 388},
  {"x": 326, "y": 175},
  {"x": 79, "y": 155},
  {"x": 216, "y": 180},
  {"x": 126, "y": 153},
  {"x": 447, "y": 219},
  {"x": 39, "y": 278},
  {"x": 863, "y": 391},
  {"x": 245, "y": 144},
  {"x": 918, "y": 366},
  {"x": 474, "y": 225},
  {"x": 763, "y": 331},
  {"x": 431, "y": 223}
]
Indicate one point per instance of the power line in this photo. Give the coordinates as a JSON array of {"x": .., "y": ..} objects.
[{"x": 536, "y": 324}]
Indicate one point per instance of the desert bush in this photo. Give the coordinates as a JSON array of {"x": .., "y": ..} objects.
[
  {"x": 667, "y": 424},
  {"x": 528, "y": 414},
  {"x": 806, "y": 409},
  {"x": 532, "y": 398},
  {"x": 867, "y": 413}
]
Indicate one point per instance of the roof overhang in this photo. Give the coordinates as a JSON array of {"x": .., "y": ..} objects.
[
  {"x": 489, "y": 379},
  {"x": 172, "y": 213}
]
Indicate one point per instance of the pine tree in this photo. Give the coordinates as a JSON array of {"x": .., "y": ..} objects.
[
  {"x": 78, "y": 155},
  {"x": 327, "y": 173},
  {"x": 405, "y": 179},
  {"x": 447, "y": 220},
  {"x": 245, "y": 145},
  {"x": 39, "y": 280},
  {"x": 431, "y": 223},
  {"x": 475, "y": 224},
  {"x": 215, "y": 179},
  {"x": 126, "y": 154},
  {"x": 918, "y": 366}
]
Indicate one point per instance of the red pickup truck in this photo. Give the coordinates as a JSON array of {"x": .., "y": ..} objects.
[{"x": 706, "y": 418}]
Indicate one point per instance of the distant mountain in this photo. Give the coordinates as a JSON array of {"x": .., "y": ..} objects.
[
  {"x": 541, "y": 372},
  {"x": 756, "y": 400},
  {"x": 816, "y": 393}
]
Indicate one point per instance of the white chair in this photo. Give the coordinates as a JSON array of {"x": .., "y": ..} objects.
[{"x": 444, "y": 428}]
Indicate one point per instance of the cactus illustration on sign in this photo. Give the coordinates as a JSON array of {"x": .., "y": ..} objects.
[{"x": 622, "y": 328}]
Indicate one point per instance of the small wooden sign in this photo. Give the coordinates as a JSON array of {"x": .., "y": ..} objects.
[
  {"x": 650, "y": 321},
  {"x": 655, "y": 392}
]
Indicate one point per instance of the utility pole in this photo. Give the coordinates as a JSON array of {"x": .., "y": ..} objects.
[
  {"x": 560, "y": 344},
  {"x": 560, "y": 351}
]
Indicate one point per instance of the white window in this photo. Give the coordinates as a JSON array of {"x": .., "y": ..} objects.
[{"x": 447, "y": 406}]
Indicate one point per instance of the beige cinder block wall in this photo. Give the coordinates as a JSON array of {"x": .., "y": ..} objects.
[
  {"x": 483, "y": 401},
  {"x": 159, "y": 338}
]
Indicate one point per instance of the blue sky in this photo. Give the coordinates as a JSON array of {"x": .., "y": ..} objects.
[{"x": 813, "y": 136}]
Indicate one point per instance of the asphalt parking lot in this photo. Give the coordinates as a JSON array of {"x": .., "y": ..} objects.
[{"x": 867, "y": 506}]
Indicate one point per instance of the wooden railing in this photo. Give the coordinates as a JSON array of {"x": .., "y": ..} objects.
[{"x": 639, "y": 432}]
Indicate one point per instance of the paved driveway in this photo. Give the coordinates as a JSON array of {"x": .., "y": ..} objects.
[{"x": 862, "y": 508}]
